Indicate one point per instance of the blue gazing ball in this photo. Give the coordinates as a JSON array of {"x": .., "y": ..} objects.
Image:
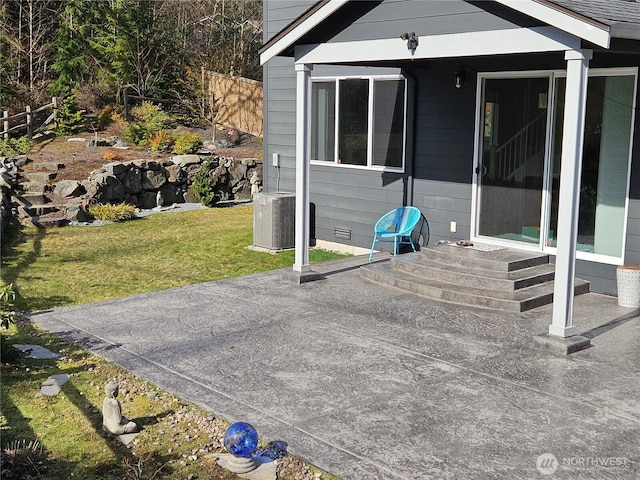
[{"x": 241, "y": 439}]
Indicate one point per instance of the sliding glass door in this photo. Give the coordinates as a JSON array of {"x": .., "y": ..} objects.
[
  {"x": 605, "y": 163},
  {"x": 519, "y": 160},
  {"x": 512, "y": 162}
]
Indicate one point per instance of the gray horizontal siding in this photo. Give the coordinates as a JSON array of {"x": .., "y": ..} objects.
[
  {"x": 352, "y": 199},
  {"x": 632, "y": 248},
  {"x": 282, "y": 71},
  {"x": 392, "y": 17},
  {"x": 601, "y": 276},
  {"x": 445, "y": 124},
  {"x": 277, "y": 128},
  {"x": 279, "y": 13}
]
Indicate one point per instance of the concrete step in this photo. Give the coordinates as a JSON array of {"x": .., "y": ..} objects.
[
  {"x": 47, "y": 166},
  {"x": 519, "y": 300},
  {"x": 40, "y": 177},
  {"x": 37, "y": 210},
  {"x": 422, "y": 266},
  {"x": 31, "y": 199},
  {"x": 45, "y": 221},
  {"x": 36, "y": 187},
  {"x": 506, "y": 260}
]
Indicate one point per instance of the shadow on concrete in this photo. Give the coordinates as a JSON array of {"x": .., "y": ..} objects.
[{"x": 616, "y": 322}]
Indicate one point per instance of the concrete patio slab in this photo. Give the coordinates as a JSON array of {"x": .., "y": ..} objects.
[{"x": 369, "y": 382}]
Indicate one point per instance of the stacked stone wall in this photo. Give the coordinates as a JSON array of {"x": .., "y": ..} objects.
[{"x": 146, "y": 183}]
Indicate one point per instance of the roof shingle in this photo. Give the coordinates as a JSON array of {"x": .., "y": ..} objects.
[{"x": 608, "y": 12}]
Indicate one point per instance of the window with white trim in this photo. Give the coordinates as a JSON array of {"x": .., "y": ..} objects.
[{"x": 359, "y": 122}]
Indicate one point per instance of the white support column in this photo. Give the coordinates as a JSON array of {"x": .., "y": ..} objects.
[
  {"x": 568, "y": 203},
  {"x": 303, "y": 126}
]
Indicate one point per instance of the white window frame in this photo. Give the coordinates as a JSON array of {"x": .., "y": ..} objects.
[
  {"x": 370, "y": 119},
  {"x": 603, "y": 72}
]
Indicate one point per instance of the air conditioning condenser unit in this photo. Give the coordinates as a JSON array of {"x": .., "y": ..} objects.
[{"x": 274, "y": 220}]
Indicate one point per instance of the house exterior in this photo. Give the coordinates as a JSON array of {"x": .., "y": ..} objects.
[{"x": 509, "y": 122}]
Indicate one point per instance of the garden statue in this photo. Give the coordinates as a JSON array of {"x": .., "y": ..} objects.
[
  {"x": 112, "y": 419},
  {"x": 159, "y": 200}
]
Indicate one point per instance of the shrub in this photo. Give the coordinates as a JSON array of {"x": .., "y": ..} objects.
[
  {"x": 112, "y": 213},
  {"x": 118, "y": 124},
  {"x": 105, "y": 117},
  {"x": 15, "y": 146},
  {"x": 162, "y": 141},
  {"x": 187, "y": 143},
  {"x": 69, "y": 117},
  {"x": 204, "y": 185},
  {"x": 8, "y": 353},
  {"x": 24, "y": 460},
  {"x": 112, "y": 156},
  {"x": 233, "y": 136},
  {"x": 146, "y": 119},
  {"x": 7, "y": 297}
]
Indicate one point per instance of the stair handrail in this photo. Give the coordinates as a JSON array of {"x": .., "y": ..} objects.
[{"x": 512, "y": 154}]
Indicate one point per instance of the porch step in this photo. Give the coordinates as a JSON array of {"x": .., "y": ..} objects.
[
  {"x": 415, "y": 264},
  {"x": 503, "y": 260},
  {"x": 508, "y": 280}
]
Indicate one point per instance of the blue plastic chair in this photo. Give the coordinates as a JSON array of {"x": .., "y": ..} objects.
[{"x": 395, "y": 226}]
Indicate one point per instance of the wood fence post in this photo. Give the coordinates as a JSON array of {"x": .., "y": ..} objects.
[
  {"x": 202, "y": 87},
  {"x": 29, "y": 125},
  {"x": 54, "y": 101},
  {"x": 125, "y": 103},
  {"x": 5, "y": 124}
]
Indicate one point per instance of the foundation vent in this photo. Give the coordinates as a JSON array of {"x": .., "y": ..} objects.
[{"x": 342, "y": 233}]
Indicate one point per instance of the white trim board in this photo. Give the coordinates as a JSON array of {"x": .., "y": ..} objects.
[
  {"x": 588, "y": 31},
  {"x": 305, "y": 27},
  {"x": 496, "y": 42}
]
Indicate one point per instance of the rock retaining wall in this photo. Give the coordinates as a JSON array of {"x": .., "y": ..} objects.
[{"x": 147, "y": 183}]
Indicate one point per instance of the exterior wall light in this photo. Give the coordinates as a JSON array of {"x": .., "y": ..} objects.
[
  {"x": 461, "y": 77},
  {"x": 412, "y": 41}
]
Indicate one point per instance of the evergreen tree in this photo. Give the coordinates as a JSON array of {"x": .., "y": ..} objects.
[
  {"x": 143, "y": 55},
  {"x": 74, "y": 53}
]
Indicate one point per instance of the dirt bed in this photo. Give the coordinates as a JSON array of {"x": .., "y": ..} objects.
[{"x": 79, "y": 160}]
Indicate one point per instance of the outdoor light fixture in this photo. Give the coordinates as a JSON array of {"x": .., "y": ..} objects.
[
  {"x": 461, "y": 77},
  {"x": 412, "y": 41}
]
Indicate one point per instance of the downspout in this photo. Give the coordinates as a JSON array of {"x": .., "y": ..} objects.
[{"x": 411, "y": 129}]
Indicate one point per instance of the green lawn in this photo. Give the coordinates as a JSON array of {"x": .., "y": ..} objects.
[{"x": 72, "y": 265}]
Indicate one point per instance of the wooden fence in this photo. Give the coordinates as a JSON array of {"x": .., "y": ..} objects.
[
  {"x": 29, "y": 119},
  {"x": 126, "y": 102},
  {"x": 234, "y": 102}
]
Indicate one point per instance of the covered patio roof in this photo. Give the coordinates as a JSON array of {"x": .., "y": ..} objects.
[
  {"x": 573, "y": 28},
  {"x": 592, "y": 21}
]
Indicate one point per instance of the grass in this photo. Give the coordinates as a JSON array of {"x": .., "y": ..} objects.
[
  {"x": 177, "y": 438},
  {"x": 74, "y": 265}
]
